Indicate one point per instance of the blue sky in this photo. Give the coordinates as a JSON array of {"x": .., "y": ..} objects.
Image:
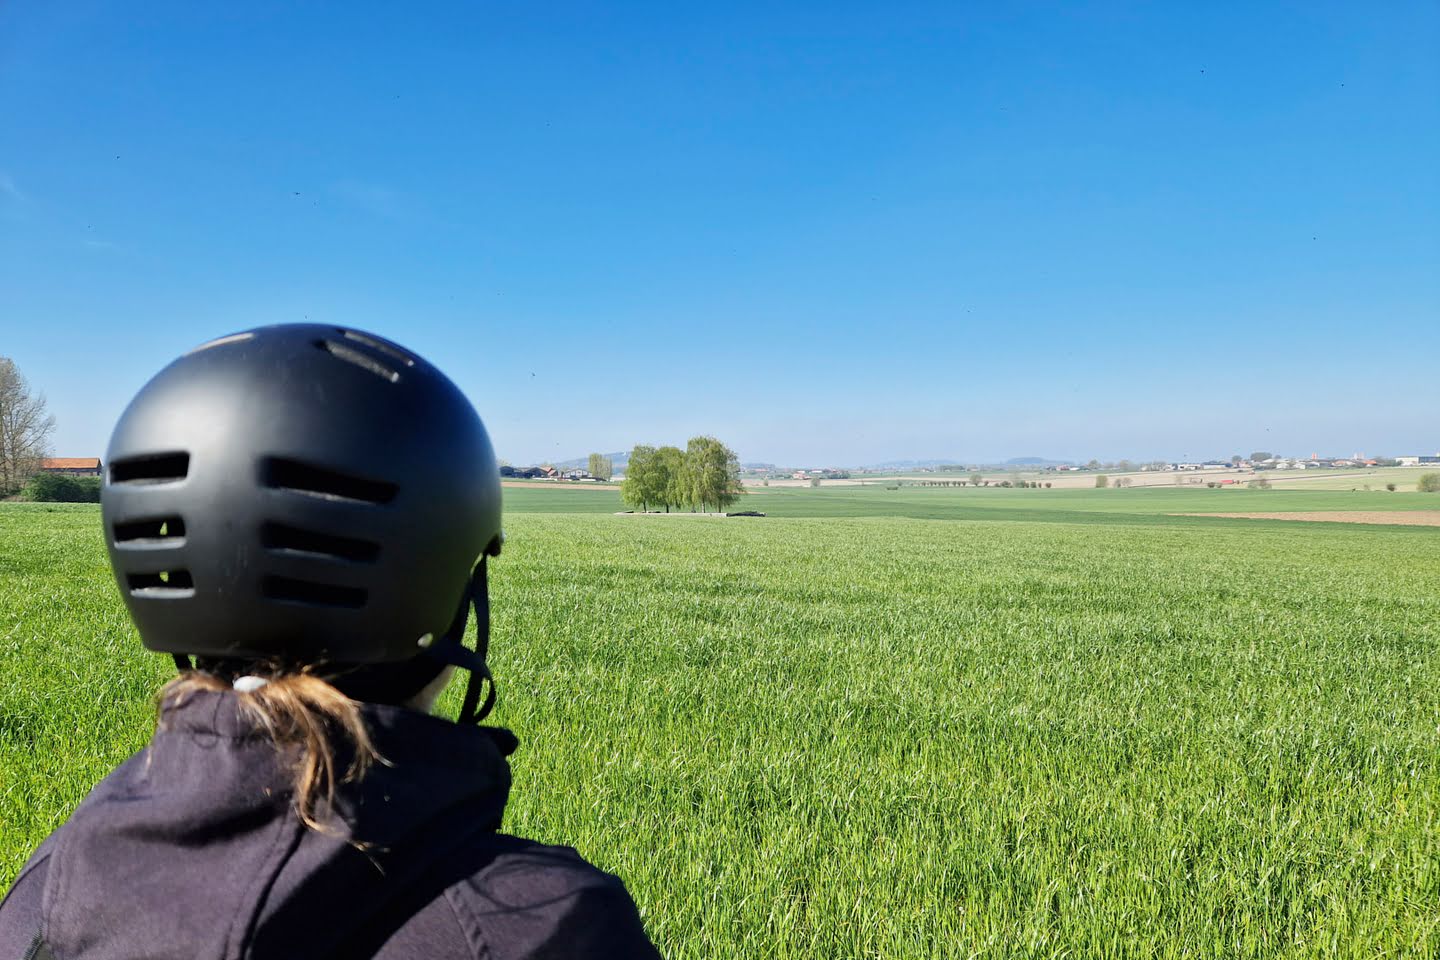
[{"x": 827, "y": 233}]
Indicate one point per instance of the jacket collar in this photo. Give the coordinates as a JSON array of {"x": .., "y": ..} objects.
[{"x": 428, "y": 764}]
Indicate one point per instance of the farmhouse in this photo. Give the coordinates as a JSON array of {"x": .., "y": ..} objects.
[{"x": 71, "y": 466}]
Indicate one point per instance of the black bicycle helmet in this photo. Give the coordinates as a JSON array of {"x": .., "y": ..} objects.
[{"x": 308, "y": 495}]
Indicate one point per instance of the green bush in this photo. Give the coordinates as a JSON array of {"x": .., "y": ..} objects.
[
  {"x": 58, "y": 488},
  {"x": 1428, "y": 483}
]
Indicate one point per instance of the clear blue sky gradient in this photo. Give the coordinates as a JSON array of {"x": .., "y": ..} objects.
[{"x": 829, "y": 233}]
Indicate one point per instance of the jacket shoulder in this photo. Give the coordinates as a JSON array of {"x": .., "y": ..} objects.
[
  {"x": 20, "y": 911},
  {"x": 534, "y": 900}
]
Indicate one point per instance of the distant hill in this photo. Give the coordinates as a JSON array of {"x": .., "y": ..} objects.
[
  {"x": 617, "y": 460},
  {"x": 913, "y": 464},
  {"x": 621, "y": 458}
]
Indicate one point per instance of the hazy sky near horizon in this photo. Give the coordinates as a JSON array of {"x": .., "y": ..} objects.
[{"x": 829, "y": 233}]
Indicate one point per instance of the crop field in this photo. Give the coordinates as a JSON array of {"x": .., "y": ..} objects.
[
  {"x": 914, "y": 723},
  {"x": 1404, "y": 478},
  {"x": 1149, "y": 506}
]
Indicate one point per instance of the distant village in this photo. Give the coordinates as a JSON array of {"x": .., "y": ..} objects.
[
  {"x": 546, "y": 472},
  {"x": 1313, "y": 462}
]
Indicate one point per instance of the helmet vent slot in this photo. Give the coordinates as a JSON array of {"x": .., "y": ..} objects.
[
  {"x": 162, "y": 531},
  {"x": 165, "y": 585},
  {"x": 390, "y": 350},
  {"x": 310, "y": 593},
  {"x": 152, "y": 468},
  {"x": 362, "y": 360},
  {"x": 285, "y": 539},
  {"x": 279, "y": 473}
]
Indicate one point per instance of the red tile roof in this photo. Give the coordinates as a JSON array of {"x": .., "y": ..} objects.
[{"x": 70, "y": 463}]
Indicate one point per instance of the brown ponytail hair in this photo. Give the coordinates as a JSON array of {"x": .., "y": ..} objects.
[{"x": 298, "y": 711}]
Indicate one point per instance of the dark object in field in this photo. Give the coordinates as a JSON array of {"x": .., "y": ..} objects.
[{"x": 745, "y": 513}]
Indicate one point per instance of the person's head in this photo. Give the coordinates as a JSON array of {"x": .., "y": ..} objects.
[{"x": 311, "y": 502}]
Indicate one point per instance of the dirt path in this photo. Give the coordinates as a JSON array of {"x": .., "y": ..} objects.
[{"x": 1404, "y": 518}]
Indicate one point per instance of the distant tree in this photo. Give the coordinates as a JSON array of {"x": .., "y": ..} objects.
[
  {"x": 712, "y": 473},
  {"x": 1235, "y": 459},
  {"x": 1047, "y": 484},
  {"x": 1121, "y": 482},
  {"x": 669, "y": 477},
  {"x": 601, "y": 466},
  {"x": 814, "y": 481},
  {"x": 1428, "y": 483},
  {"x": 640, "y": 488},
  {"x": 1259, "y": 455},
  {"x": 1390, "y": 487},
  {"x": 24, "y": 428},
  {"x": 1101, "y": 481},
  {"x": 1093, "y": 464},
  {"x": 1259, "y": 483},
  {"x": 975, "y": 479}
]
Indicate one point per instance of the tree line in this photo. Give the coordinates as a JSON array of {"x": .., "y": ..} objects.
[
  {"x": 24, "y": 428},
  {"x": 705, "y": 474}
]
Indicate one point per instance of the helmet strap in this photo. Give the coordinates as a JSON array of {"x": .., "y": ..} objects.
[
  {"x": 471, "y": 709},
  {"x": 477, "y": 594}
]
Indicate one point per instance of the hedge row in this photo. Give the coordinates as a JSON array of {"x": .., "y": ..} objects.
[{"x": 58, "y": 488}]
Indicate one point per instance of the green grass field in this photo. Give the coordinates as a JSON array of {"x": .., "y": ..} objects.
[
  {"x": 1135, "y": 505},
  {"x": 913, "y": 723}
]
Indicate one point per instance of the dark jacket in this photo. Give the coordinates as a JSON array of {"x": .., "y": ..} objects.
[{"x": 191, "y": 850}]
